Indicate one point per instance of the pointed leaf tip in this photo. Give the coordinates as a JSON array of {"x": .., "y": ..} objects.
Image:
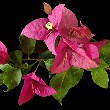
[{"x": 27, "y": 45}]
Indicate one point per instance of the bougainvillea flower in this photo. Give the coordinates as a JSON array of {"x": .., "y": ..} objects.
[
  {"x": 44, "y": 29},
  {"x": 81, "y": 34},
  {"x": 4, "y": 56},
  {"x": 47, "y": 29},
  {"x": 34, "y": 85},
  {"x": 62, "y": 59},
  {"x": 68, "y": 56}
]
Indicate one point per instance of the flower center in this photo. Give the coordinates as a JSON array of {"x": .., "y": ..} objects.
[{"x": 49, "y": 26}]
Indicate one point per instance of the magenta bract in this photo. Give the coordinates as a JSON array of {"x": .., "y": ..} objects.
[
  {"x": 68, "y": 56},
  {"x": 34, "y": 85},
  {"x": 4, "y": 56},
  {"x": 45, "y": 29},
  {"x": 58, "y": 23}
]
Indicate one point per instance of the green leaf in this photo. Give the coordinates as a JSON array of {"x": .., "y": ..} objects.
[
  {"x": 48, "y": 63},
  {"x": 6, "y": 67},
  {"x": 10, "y": 76},
  {"x": 16, "y": 57},
  {"x": 12, "y": 79},
  {"x": 99, "y": 75},
  {"x": 76, "y": 75},
  {"x": 105, "y": 52},
  {"x": 63, "y": 82},
  {"x": 100, "y": 78},
  {"x": 27, "y": 45},
  {"x": 1, "y": 79},
  {"x": 46, "y": 54}
]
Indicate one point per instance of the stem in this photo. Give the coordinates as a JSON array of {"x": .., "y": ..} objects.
[
  {"x": 37, "y": 66},
  {"x": 34, "y": 62},
  {"x": 35, "y": 59},
  {"x": 32, "y": 59},
  {"x": 94, "y": 40}
]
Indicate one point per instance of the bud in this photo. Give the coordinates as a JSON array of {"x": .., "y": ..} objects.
[{"x": 47, "y": 8}]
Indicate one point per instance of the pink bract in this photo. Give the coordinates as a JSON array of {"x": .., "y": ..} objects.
[
  {"x": 59, "y": 17},
  {"x": 34, "y": 85},
  {"x": 99, "y": 44},
  {"x": 68, "y": 56},
  {"x": 4, "y": 56},
  {"x": 91, "y": 51},
  {"x": 82, "y": 34},
  {"x": 69, "y": 29},
  {"x": 69, "y": 53},
  {"x": 81, "y": 60},
  {"x": 62, "y": 59},
  {"x": 55, "y": 16},
  {"x": 37, "y": 29},
  {"x": 67, "y": 22}
]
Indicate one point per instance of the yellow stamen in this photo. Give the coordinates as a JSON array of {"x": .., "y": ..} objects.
[{"x": 49, "y": 26}]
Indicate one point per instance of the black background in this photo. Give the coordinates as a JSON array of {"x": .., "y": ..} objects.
[{"x": 14, "y": 15}]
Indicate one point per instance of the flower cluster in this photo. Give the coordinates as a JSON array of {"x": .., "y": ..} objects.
[
  {"x": 74, "y": 48},
  {"x": 68, "y": 50}
]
